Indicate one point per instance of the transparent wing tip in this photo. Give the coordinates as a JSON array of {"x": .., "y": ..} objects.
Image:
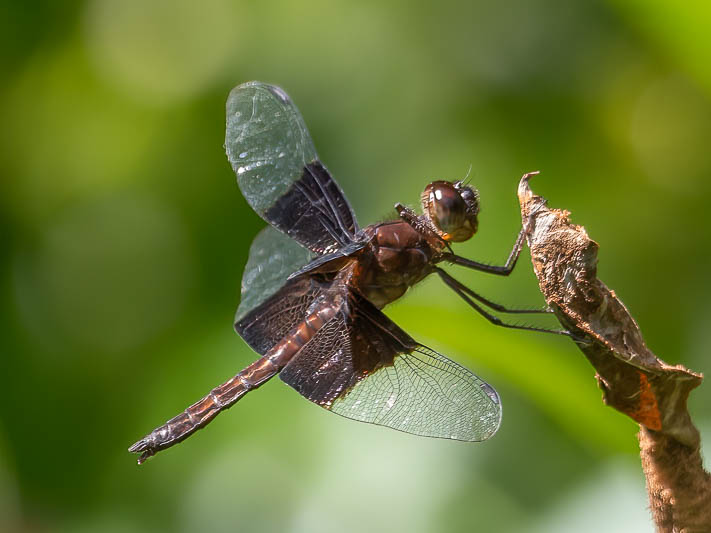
[
  {"x": 273, "y": 89},
  {"x": 491, "y": 393},
  {"x": 497, "y": 412},
  {"x": 278, "y": 92}
]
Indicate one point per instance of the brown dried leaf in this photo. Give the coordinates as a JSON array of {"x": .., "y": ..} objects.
[{"x": 634, "y": 381}]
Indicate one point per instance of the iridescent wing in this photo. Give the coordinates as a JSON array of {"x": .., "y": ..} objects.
[
  {"x": 272, "y": 258},
  {"x": 279, "y": 173},
  {"x": 362, "y": 366}
]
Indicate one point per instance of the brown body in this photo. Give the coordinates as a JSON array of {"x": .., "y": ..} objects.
[{"x": 321, "y": 328}]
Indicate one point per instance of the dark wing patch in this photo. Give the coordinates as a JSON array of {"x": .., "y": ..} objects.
[
  {"x": 274, "y": 318},
  {"x": 323, "y": 368},
  {"x": 315, "y": 212},
  {"x": 344, "y": 351}
]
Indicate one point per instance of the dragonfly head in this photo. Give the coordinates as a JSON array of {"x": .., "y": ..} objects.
[{"x": 452, "y": 208}]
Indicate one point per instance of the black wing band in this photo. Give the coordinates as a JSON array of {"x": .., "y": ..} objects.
[{"x": 314, "y": 212}]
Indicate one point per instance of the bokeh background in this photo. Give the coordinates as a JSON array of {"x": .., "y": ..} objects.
[{"x": 124, "y": 238}]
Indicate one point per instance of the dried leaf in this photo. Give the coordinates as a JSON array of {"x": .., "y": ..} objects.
[{"x": 634, "y": 381}]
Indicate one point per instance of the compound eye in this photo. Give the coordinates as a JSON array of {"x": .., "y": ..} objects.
[
  {"x": 471, "y": 199},
  {"x": 447, "y": 209}
]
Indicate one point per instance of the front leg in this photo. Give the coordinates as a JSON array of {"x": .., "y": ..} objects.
[
  {"x": 492, "y": 269},
  {"x": 422, "y": 226},
  {"x": 409, "y": 216},
  {"x": 465, "y": 292},
  {"x": 462, "y": 290}
]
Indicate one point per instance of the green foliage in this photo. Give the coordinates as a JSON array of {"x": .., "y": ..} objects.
[{"x": 125, "y": 237}]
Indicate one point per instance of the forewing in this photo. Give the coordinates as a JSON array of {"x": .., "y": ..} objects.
[
  {"x": 278, "y": 171},
  {"x": 362, "y": 366}
]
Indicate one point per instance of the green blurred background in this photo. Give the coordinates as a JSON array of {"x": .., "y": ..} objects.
[{"x": 124, "y": 237}]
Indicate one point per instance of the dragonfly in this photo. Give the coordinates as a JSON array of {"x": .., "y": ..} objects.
[{"x": 315, "y": 284}]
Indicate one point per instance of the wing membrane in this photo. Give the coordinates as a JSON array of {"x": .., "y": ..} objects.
[
  {"x": 278, "y": 171},
  {"x": 425, "y": 393},
  {"x": 272, "y": 258}
]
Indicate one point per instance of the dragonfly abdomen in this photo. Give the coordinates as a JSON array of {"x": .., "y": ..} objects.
[{"x": 224, "y": 396}]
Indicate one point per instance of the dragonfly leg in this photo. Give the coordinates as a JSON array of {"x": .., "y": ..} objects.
[
  {"x": 504, "y": 270},
  {"x": 466, "y": 294},
  {"x": 492, "y": 305}
]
